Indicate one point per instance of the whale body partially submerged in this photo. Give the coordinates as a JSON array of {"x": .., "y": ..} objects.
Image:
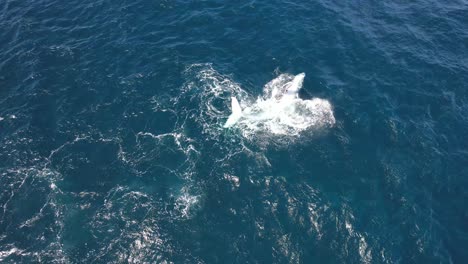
[{"x": 279, "y": 95}]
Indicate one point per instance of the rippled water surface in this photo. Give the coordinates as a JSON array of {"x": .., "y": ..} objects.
[{"x": 112, "y": 146}]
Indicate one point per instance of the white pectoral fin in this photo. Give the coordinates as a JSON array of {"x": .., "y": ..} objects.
[
  {"x": 236, "y": 113},
  {"x": 235, "y": 106},
  {"x": 296, "y": 85}
]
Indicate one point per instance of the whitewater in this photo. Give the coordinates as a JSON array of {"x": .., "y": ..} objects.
[{"x": 280, "y": 110}]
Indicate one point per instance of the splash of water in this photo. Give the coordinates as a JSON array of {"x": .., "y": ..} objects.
[{"x": 280, "y": 111}]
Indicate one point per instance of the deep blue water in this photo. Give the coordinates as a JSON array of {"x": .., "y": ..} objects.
[{"x": 112, "y": 147}]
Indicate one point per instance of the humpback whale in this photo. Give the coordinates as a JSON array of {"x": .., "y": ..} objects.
[{"x": 280, "y": 95}]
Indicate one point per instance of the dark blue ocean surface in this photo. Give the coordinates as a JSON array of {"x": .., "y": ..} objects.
[{"x": 112, "y": 146}]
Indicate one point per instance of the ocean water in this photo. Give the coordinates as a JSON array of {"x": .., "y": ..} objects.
[{"x": 112, "y": 146}]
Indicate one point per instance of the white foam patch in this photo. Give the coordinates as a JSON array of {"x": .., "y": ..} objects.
[
  {"x": 281, "y": 112},
  {"x": 12, "y": 251},
  {"x": 186, "y": 204}
]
